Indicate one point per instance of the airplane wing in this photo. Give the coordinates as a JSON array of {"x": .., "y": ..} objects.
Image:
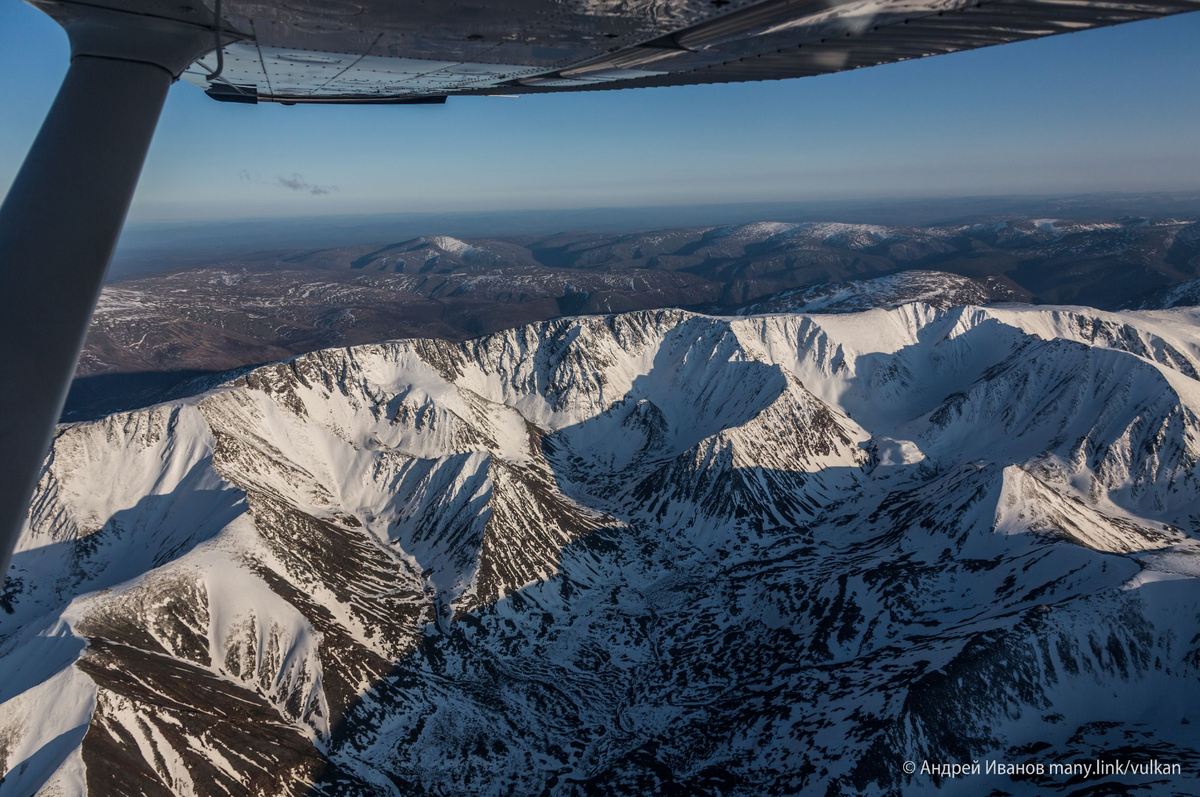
[{"x": 401, "y": 51}]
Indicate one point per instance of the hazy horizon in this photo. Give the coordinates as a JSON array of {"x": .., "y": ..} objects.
[
  {"x": 1111, "y": 109},
  {"x": 1191, "y": 196},
  {"x": 144, "y": 244}
]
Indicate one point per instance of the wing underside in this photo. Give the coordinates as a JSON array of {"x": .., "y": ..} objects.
[{"x": 416, "y": 51}]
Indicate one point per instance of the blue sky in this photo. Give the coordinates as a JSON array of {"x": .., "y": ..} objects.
[{"x": 1116, "y": 109}]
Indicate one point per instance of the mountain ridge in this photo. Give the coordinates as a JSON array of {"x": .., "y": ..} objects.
[
  {"x": 153, "y": 332},
  {"x": 755, "y": 554}
]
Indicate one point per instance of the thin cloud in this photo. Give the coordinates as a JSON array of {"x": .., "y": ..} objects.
[{"x": 297, "y": 183}]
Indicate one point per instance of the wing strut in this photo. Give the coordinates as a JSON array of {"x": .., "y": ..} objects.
[{"x": 60, "y": 222}]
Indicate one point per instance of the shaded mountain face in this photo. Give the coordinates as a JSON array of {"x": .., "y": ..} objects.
[
  {"x": 650, "y": 553},
  {"x": 166, "y": 334},
  {"x": 934, "y": 288}
]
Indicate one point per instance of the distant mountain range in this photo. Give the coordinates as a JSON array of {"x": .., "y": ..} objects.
[
  {"x": 168, "y": 244},
  {"x": 171, "y": 333},
  {"x": 657, "y": 552}
]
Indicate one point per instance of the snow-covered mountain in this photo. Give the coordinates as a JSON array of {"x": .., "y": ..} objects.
[
  {"x": 651, "y": 553},
  {"x": 1185, "y": 294},
  {"x": 934, "y": 288}
]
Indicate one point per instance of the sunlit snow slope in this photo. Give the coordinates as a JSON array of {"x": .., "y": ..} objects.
[{"x": 653, "y": 553}]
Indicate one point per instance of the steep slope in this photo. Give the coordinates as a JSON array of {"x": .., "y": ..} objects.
[{"x": 657, "y": 552}]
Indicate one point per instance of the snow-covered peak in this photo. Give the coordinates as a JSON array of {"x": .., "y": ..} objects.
[
  {"x": 606, "y": 550},
  {"x": 452, "y": 245}
]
